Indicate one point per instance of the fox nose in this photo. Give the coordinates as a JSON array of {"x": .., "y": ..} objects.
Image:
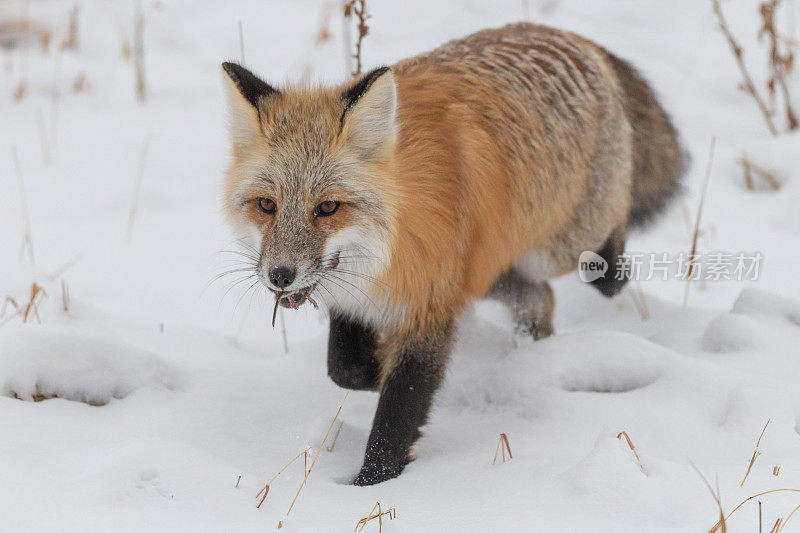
[{"x": 281, "y": 276}]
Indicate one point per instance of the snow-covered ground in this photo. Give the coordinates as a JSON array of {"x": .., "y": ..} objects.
[{"x": 171, "y": 388}]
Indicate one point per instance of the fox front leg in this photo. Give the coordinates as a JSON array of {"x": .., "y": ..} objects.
[
  {"x": 351, "y": 355},
  {"x": 406, "y": 394}
]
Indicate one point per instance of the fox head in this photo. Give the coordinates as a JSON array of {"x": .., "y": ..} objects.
[{"x": 306, "y": 186}]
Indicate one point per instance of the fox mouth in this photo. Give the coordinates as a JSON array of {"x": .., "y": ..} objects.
[{"x": 294, "y": 299}]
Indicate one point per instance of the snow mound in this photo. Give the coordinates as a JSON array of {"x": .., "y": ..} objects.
[
  {"x": 732, "y": 333},
  {"x": 40, "y": 363},
  {"x": 587, "y": 362},
  {"x": 763, "y": 303},
  {"x": 609, "y": 459},
  {"x": 745, "y": 327},
  {"x": 602, "y": 361}
]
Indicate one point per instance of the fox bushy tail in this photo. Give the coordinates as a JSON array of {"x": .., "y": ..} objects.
[{"x": 659, "y": 160}]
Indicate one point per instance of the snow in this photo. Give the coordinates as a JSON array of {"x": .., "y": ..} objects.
[
  {"x": 164, "y": 386},
  {"x": 74, "y": 365}
]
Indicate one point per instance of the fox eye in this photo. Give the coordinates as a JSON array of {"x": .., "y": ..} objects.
[
  {"x": 326, "y": 208},
  {"x": 266, "y": 205}
]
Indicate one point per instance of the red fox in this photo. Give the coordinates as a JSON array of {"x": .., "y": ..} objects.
[{"x": 480, "y": 169}]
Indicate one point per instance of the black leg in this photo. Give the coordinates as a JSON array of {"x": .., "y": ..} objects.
[
  {"x": 351, "y": 355},
  {"x": 403, "y": 407},
  {"x": 531, "y": 303},
  {"x": 615, "y": 277}
]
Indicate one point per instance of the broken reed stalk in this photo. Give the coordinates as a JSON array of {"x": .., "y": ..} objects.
[
  {"x": 347, "y": 37},
  {"x": 336, "y": 436},
  {"x": 777, "y": 527},
  {"x": 27, "y": 239},
  {"x": 780, "y": 64},
  {"x": 362, "y": 522},
  {"x": 776, "y": 470},
  {"x": 56, "y": 103},
  {"x": 56, "y": 95},
  {"x": 717, "y": 526},
  {"x": 359, "y": 8},
  {"x": 66, "y": 266},
  {"x": 138, "y": 51},
  {"x": 70, "y": 42},
  {"x": 278, "y": 297},
  {"x": 637, "y": 296},
  {"x": 748, "y": 175},
  {"x": 632, "y": 447},
  {"x": 30, "y": 309},
  {"x": 750, "y": 169},
  {"x": 136, "y": 191},
  {"x": 124, "y": 45},
  {"x": 786, "y": 521},
  {"x": 756, "y": 453},
  {"x": 283, "y": 334},
  {"x": 241, "y": 42},
  {"x": 379, "y": 515},
  {"x": 65, "y": 296},
  {"x": 738, "y": 53},
  {"x": 42, "y": 136},
  {"x": 265, "y": 489},
  {"x": 696, "y": 233},
  {"x": 305, "y": 479},
  {"x": 237, "y": 482},
  {"x": 22, "y": 86},
  {"x": 502, "y": 447},
  {"x": 8, "y": 300},
  {"x": 721, "y": 525},
  {"x": 33, "y": 304}
]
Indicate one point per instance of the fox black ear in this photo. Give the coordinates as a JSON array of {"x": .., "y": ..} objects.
[
  {"x": 244, "y": 90},
  {"x": 369, "y": 118},
  {"x": 250, "y": 86}
]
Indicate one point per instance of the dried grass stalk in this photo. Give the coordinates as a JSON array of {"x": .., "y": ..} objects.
[
  {"x": 66, "y": 266},
  {"x": 502, "y": 448},
  {"x": 27, "y": 312},
  {"x": 265, "y": 489},
  {"x": 305, "y": 479},
  {"x": 784, "y": 522},
  {"x": 359, "y": 9},
  {"x": 780, "y": 63},
  {"x": 138, "y": 52},
  {"x": 696, "y": 233},
  {"x": 756, "y": 453},
  {"x": 728, "y": 516},
  {"x": 70, "y": 42},
  {"x": 65, "y": 299},
  {"x": 738, "y": 54},
  {"x": 336, "y": 436},
  {"x": 632, "y": 447},
  {"x": 639, "y": 301},
  {"x": 42, "y": 136},
  {"x": 27, "y": 243},
  {"x": 241, "y": 42},
  {"x": 391, "y": 513},
  {"x": 750, "y": 170},
  {"x": 720, "y": 526},
  {"x": 137, "y": 187}
]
